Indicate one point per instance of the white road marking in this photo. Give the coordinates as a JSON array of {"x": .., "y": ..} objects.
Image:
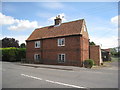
[
  {"x": 52, "y": 81},
  {"x": 64, "y": 84},
  {"x": 31, "y": 77}
]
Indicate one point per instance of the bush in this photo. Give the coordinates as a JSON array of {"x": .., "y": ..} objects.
[
  {"x": 13, "y": 54},
  {"x": 88, "y": 63}
]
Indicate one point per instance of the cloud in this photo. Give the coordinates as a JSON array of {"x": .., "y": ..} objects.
[
  {"x": 105, "y": 34},
  {"x": 53, "y": 5},
  {"x": 105, "y": 42},
  {"x": 115, "y": 20},
  {"x": 16, "y": 24},
  {"x": 62, "y": 15},
  {"x": 7, "y": 19},
  {"x": 24, "y": 24},
  {"x": 103, "y": 29}
]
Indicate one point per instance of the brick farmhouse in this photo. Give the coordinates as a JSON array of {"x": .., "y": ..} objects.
[{"x": 59, "y": 44}]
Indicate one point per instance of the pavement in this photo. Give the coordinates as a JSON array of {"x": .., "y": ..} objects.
[
  {"x": 19, "y": 75},
  {"x": 106, "y": 65},
  {"x": 60, "y": 67}
]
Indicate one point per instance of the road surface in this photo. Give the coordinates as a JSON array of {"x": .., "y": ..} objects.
[{"x": 18, "y": 76}]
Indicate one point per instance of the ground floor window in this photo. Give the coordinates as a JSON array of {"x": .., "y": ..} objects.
[
  {"x": 36, "y": 57},
  {"x": 61, "y": 57}
]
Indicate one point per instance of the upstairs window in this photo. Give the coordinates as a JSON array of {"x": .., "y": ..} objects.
[
  {"x": 36, "y": 57},
  {"x": 61, "y": 58},
  {"x": 61, "y": 42},
  {"x": 37, "y": 44}
]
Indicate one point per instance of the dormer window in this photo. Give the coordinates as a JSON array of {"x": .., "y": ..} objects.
[{"x": 37, "y": 44}]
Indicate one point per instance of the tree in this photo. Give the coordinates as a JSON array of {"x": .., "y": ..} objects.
[
  {"x": 9, "y": 42},
  {"x": 22, "y": 45},
  {"x": 0, "y": 43},
  {"x": 92, "y": 43},
  {"x": 115, "y": 51}
]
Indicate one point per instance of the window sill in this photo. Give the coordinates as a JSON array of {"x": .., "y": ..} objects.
[
  {"x": 37, "y": 47},
  {"x": 61, "y": 45},
  {"x": 61, "y": 62}
]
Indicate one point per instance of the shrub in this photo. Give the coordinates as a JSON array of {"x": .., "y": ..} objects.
[
  {"x": 88, "y": 63},
  {"x": 13, "y": 54}
]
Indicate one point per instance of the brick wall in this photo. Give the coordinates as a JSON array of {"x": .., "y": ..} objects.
[
  {"x": 49, "y": 50},
  {"x": 76, "y": 50},
  {"x": 95, "y": 54}
]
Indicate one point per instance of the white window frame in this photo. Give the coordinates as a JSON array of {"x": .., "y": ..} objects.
[
  {"x": 38, "y": 44},
  {"x": 60, "y": 42},
  {"x": 60, "y": 59},
  {"x": 36, "y": 55}
]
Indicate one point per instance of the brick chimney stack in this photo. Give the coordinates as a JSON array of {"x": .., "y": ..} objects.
[{"x": 58, "y": 20}]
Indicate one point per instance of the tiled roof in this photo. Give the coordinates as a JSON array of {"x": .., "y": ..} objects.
[
  {"x": 65, "y": 29},
  {"x": 107, "y": 50}
]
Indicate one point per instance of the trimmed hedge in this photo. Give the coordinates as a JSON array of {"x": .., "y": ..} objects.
[
  {"x": 13, "y": 54},
  {"x": 88, "y": 63}
]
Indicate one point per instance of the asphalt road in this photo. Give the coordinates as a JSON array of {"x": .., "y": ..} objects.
[{"x": 17, "y": 76}]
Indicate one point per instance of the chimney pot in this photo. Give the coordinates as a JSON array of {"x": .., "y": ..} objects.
[{"x": 58, "y": 20}]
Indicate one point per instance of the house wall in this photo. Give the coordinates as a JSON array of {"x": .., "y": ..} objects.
[
  {"x": 84, "y": 43},
  {"x": 95, "y": 54},
  {"x": 31, "y": 50},
  {"x": 49, "y": 50},
  {"x": 76, "y": 50},
  {"x": 85, "y": 49},
  {"x": 71, "y": 49}
]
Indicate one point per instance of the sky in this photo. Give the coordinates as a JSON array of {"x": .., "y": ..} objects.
[{"x": 19, "y": 19}]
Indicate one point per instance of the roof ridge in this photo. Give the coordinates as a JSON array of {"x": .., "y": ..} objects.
[{"x": 61, "y": 23}]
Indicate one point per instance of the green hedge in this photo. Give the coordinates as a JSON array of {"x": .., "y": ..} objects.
[
  {"x": 13, "y": 54},
  {"x": 88, "y": 63}
]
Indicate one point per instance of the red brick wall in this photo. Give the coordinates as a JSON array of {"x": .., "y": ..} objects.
[
  {"x": 84, "y": 45},
  {"x": 31, "y": 50},
  {"x": 49, "y": 50},
  {"x": 85, "y": 49},
  {"x": 95, "y": 54}
]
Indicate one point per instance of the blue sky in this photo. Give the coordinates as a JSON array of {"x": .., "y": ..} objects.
[{"x": 21, "y": 18}]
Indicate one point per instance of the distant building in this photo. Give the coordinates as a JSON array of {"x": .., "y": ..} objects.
[{"x": 106, "y": 55}]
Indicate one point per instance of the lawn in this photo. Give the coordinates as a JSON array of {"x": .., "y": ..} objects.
[{"x": 115, "y": 59}]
